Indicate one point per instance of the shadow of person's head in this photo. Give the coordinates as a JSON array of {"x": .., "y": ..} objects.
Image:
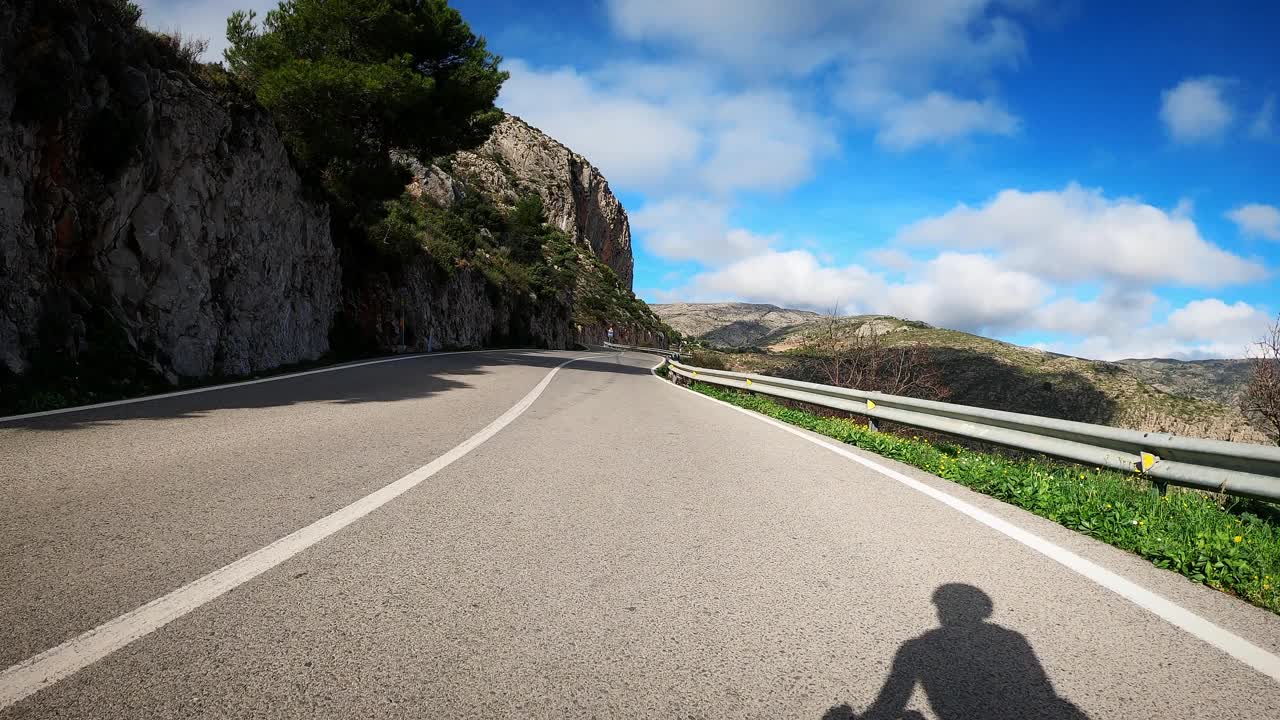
[{"x": 960, "y": 604}]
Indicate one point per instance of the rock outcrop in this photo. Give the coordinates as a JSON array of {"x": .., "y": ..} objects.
[
  {"x": 136, "y": 201},
  {"x": 518, "y": 159},
  {"x": 153, "y": 226}
]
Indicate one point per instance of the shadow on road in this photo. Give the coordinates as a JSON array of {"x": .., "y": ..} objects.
[
  {"x": 409, "y": 378},
  {"x": 968, "y": 668}
]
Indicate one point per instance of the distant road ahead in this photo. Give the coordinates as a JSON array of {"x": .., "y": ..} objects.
[{"x": 483, "y": 538}]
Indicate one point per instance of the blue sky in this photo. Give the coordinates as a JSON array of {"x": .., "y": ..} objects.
[{"x": 1093, "y": 178}]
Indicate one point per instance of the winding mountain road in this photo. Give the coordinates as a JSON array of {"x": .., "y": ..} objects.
[{"x": 550, "y": 534}]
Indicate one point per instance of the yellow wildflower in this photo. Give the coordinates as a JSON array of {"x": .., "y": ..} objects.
[{"x": 1238, "y": 538}]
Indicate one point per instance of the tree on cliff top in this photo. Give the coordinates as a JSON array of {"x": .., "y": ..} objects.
[{"x": 348, "y": 81}]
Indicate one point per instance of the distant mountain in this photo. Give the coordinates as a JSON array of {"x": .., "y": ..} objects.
[
  {"x": 1196, "y": 398},
  {"x": 1218, "y": 380},
  {"x": 733, "y": 324}
]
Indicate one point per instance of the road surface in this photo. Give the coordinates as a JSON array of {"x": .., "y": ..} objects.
[{"x": 584, "y": 542}]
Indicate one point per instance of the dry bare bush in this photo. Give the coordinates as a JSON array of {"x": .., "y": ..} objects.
[
  {"x": 1229, "y": 425},
  {"x": 1260, "y": 401},
  {"x": 866, "y": 362},
  {"x": 186, "y": 49}
]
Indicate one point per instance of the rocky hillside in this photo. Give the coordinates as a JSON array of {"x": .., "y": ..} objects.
[
  {"x": 733, "y": 324},
  {"x": 154, "y": 229},
  {"x": 1157, "y": 395},
  {"x": 519, "y": 159},
  {"x": 142, "y": 214}
]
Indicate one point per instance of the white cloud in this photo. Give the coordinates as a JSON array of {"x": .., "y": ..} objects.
[
  {"x": 200, "y": 18},
  {"x": 1195, "y": 110},
  {"x": 762, "y": 141},
  {"x": 939, "y": 118},
  {"x": 891, "y": 258},
  {"x": 966, "y": 292},
  {"x": 1078, "y": 235},
  {"x": 889, "y": 55},
  {"x": 687, "y": 228},
  {"x": 800, "y": 35},
  {"x": 1263, "y": 122},
  {"x": 1206, "y": 328},
  {"x": 795, "y": 278},
  {"x": 1211, "y": 318},
  {"x": 671, "y": 133},
  {"x": 1258, "y": 220},
  {"x": 1115, "y": 312},
  {"x": 567, "y": 105}
]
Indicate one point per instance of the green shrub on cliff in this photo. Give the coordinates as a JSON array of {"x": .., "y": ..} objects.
[{"x": 348, "y": 81}]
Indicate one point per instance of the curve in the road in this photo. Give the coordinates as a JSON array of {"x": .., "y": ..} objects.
[{"x": 32, "y": 675}]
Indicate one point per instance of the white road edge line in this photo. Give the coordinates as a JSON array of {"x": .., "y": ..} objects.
[
  {"x": 57, "y": 663},
  {"x": 242, "y": 383},
  {"x": 1237, "y": 647}
]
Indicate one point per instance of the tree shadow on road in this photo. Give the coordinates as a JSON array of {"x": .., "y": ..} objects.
[
  {"x": 404, "y": 378},
  {"x": 968, "y": 668}
]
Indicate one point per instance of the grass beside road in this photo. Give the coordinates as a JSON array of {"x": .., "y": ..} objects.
[{"x": 1227, "y": 543}]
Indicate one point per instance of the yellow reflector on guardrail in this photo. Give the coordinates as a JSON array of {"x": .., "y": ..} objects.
[{"x": 1147, "y": 460}]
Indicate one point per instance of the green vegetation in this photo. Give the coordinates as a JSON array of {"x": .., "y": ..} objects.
[
  {"x": 1229, "y": 544},
  {"x": 349, "y": 81},
  {"x": 516, "y": 251}
]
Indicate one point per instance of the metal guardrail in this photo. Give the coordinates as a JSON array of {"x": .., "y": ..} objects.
[
  {"x": 1233, "y": 468},
  {"x": 674, "y": 354}
]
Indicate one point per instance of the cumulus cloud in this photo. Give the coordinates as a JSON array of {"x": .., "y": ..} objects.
[
  {"x": 1212, "y": 318},
  {"x": 1206, "y": 328},
  {"x": 199, "y": 18},
  {"x": 1115, "y": 312},
  {"x": 968, "y": 292},
  {"x": 590, "y": 119},
  {"x": 652, "y": 132},
  {"x": 1079, "y": 235},
  {"x": 939, "y": 118},
  {"x": 1195, "y": 110},
  {"x": 889, "y": 55},
  {"x": 761, "y": 140},
  {"x": 977, "y": 294},
  {"x": 686, "y": 228},
  {"x": 794, "y": 278},
  {"x": 1263, "y": 123},
  {"x": 1073, "y": 264},
  {"x": 1257, "y": 220}
]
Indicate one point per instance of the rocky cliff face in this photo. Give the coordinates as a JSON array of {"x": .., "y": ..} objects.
[
  {"x": 152, "y": 225},
  {"x": 462, "y": 310},
  {"x": 135, "y": 202},
  {"x": 518, "y": 159}
]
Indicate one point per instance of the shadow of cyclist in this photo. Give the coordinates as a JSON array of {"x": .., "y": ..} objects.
[{"x": 969, "y": 668}]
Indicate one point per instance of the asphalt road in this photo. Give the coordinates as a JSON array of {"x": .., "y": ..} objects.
[{"x": 618, "y": 547}]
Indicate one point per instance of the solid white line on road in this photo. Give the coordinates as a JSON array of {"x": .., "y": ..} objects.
[
  {"x": 1237, "y": 647},
  {"x": 228, "y": 386},
  {"x": 54, "y": 664}
]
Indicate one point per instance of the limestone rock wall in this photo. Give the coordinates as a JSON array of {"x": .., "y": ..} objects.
[
  {"x": 133, "y": 196},
  {"x": 518, "y": 159}
]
